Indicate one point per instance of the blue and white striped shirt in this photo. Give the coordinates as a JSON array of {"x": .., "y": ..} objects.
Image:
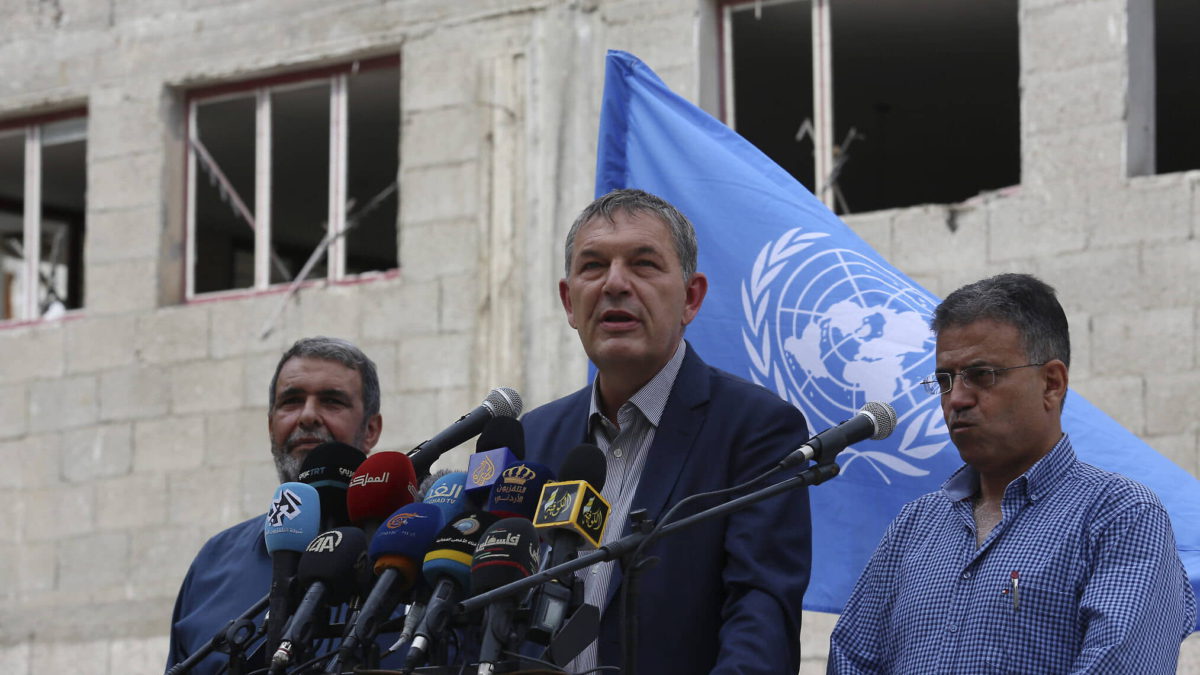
[{"x": 1099, "y": 585}]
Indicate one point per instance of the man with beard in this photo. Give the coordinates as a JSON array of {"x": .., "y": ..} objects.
[{"x": 324, "y": 389}]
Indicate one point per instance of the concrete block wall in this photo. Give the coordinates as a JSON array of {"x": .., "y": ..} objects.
[{"x": 136, "y": 427}]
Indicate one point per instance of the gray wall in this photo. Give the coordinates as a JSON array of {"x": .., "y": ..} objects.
[{"x": 136, "y": 428}]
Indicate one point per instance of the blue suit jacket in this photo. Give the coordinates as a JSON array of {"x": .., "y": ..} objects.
[{"x": 726, "y": 595}]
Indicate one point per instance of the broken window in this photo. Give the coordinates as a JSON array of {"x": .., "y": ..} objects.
[
  {"x": 910, "y": 102},
  {"x": 1177, "y": 86},
  {"x": 43, "y": 182},
  {"x": 294, "y": 177}
]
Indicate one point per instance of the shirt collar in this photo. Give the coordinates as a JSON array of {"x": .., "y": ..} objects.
[
  {"x": 651, "y": 399},
  {"x": 1037, "y": 481}
]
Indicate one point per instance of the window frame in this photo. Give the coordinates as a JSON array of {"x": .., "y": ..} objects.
[
  {"x": 26, "y": 310},
  {"x": 260, "y": 89}
]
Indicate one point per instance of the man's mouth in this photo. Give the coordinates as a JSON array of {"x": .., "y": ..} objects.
[
  {"x": 304, "y": 443},
  {"x": 616, "y": 318}
]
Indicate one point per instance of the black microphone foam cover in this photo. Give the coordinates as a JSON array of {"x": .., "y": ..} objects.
[
  {"x": 507, "y": 552},
  {"x": 337, "y": 558},
  {"x": 329, "y": 468},
  {"x": 585, "y": 462},
  {"x": 502, "y": 432}
]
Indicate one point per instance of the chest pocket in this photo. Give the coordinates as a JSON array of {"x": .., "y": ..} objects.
[{"x": 1040, "y": 633}]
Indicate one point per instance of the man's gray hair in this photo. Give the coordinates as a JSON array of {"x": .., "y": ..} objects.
[
  {"x": 341, "y": 351},
  {"x": 634, "y": 202},
  {"x": 1021, "y": 300}
]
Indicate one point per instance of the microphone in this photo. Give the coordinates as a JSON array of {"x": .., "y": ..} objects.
[
  {"x": 500, "y": 445},
  {"x": 568, "y": 529},
  {"x": 515, "y": 494},
  {"x": 507, "y": 553},
  {"x": 500, "y": 402},
  {"x": 332, "y": 567},
  {"x": 396, "y": 551},
  {"x": 448, "y": 569},
  {"x": 446, "y": 492},
  {"x": 329, "y": 468},
  {"x": 875, "y": 421},
  {"x": 292, "y": 522},
  {"x": 384, "y": 482}
]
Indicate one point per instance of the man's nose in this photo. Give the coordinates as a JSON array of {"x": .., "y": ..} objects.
[
  {"x": 960, "y": 396},
  {"x": 616, "y": 280},
  {"x": 309, "y": 414}
]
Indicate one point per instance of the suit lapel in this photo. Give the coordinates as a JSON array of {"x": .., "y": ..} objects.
[{"x": 671, "y": 450}]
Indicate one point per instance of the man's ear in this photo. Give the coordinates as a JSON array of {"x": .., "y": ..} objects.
[
  {"x": 1056, "y": 379},
  {"x": 564, "y": 294},
  {"x": 373, "y": 430},
  {"x": 694, "y": 292}
]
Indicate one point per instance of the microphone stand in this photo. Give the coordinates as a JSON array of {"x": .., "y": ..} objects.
[
  {"x": 626, "y": 546},
  {"x": 221, "y": 639}
]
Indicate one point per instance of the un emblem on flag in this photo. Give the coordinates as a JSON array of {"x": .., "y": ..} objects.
[{"x": 830, "y": 329}]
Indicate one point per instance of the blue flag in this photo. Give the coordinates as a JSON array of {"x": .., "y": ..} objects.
[{"x": 801, "y": 305}]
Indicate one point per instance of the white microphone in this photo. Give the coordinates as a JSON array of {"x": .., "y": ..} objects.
[{"x": 875, "y": 421}]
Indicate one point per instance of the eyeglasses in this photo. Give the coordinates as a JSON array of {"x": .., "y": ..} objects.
[{"x": 974, "y": 377}]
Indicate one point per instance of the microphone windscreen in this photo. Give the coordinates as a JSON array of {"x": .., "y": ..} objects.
[
  {"x": 448, "y": 494},
  {"x": 585, "y": 462},
  {"x": 452, "y": 550},
  {"x": 329, "y": 468},
  {"x": 504, "y": 402},
  {"x": 402, "y": 541},
  {"x": 502, "y": 432},
  {"x": 293, "y": 519},
  {"x": 516, "y": 492},
  {"x": 384, "y": 482},
  {"x": 507, "y": 552},
  {"x": 336, "y": 558}
]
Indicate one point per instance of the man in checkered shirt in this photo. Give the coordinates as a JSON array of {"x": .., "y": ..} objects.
[{"x": 1027, "y": 560}]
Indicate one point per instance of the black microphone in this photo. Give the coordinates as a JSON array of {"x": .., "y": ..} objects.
[
  {"x": 500, "y": 402},
  {"x": 329, "y": 468},
  {"x": 333, "y": 566},
  {"x": 555, "y": 600},
  {"x": 508, "y": 552},
  {"x": 875, "y": 421}
]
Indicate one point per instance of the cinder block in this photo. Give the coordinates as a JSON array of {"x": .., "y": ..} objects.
[
  {"x": 169, "y": 444},
  {"x": 435, "y": 362},
  {"x": 256, "y": 377},
  {"x": 444, "y": 136},
  {"x": 14, "y": 410},
  {"x": 332, "y": 311},
  {"x": 64, "y": 403},
  {"x": 131, "y": 503},
  {"x": 34, "y": 563},
  {"x": 438, "y": 249},
  {"x": 875, "y": 228},
  {"x": 207, "y": 497},
  {"x": 259, "y": 480},
  {"x": 1067, "y": 36},
  {"x": 435, "y": 77},
  {"x": 125, "y": 181},
  {"x": 409, "y": 418},
  {"x": 1170, "y": 402},
  {"x": 1168, "y": 273},
  {"x": 1083, "y": 156},
  {"x": 116, "y": 235},
  {"x": 124, "y": 120},
  {"x": 206, "y": 386},
  {"x": 1089, "y": 281},
  {"x": 35, "y": 460},
  {"x": 396, "y": 312},
  {"x": 173, "y": 334},
  {"x": 99, "y": 343},
  {"x": 1079, "y": 325},
  {"x": 384, "y": 356},
  {"x": 1189, "y": 655},
  {"x": 97, "y": 452},
  {"x": 15, "y": 659},
  {"x": 163, "y": 554},
  {"x": 126, "y": 286},
  {"x": 236, "y": 326},
  {"x": 460, "y": 304},
  {"x": 814, "y": 634},
  {"x": 32, "y": 352},
  {"x": 134, "y": 393},
  {"x": 925, "y": 244},
  {"x": 1061, "y": 100},
  {"x": 236, "y": 437},
  {"x": 1121, "y": 397},
  {"x": 448, "y": 192},
  {"x": 139, "y": 655},
  {"x": 59, "y": 512},
  {"x": 83, "y": 657},
  {"x": 1057, "y": 229},
  {"x": 1147, "y": 211},
  {"x": 93, "y": 561},
  {"x": 1144, "y": 342}
]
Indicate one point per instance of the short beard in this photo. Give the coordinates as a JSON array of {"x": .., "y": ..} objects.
[{"x": 288, "y": 464}]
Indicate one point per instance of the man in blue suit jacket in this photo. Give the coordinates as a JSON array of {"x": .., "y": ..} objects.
[{"x": 726, "y": 596}]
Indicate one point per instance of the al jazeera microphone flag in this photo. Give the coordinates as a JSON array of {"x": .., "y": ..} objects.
[{"x": 801, "y": 305}]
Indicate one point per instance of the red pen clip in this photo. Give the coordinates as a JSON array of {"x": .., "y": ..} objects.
[{"x": 1015, "y": 577}]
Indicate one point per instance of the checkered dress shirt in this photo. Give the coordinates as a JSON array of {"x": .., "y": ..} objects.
[{"x": 1099, "y": 585}]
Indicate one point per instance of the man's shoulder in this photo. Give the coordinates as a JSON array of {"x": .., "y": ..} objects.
[
  {"x": 236, "y": 539},
  {"x": 1109, "y": 492}
]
